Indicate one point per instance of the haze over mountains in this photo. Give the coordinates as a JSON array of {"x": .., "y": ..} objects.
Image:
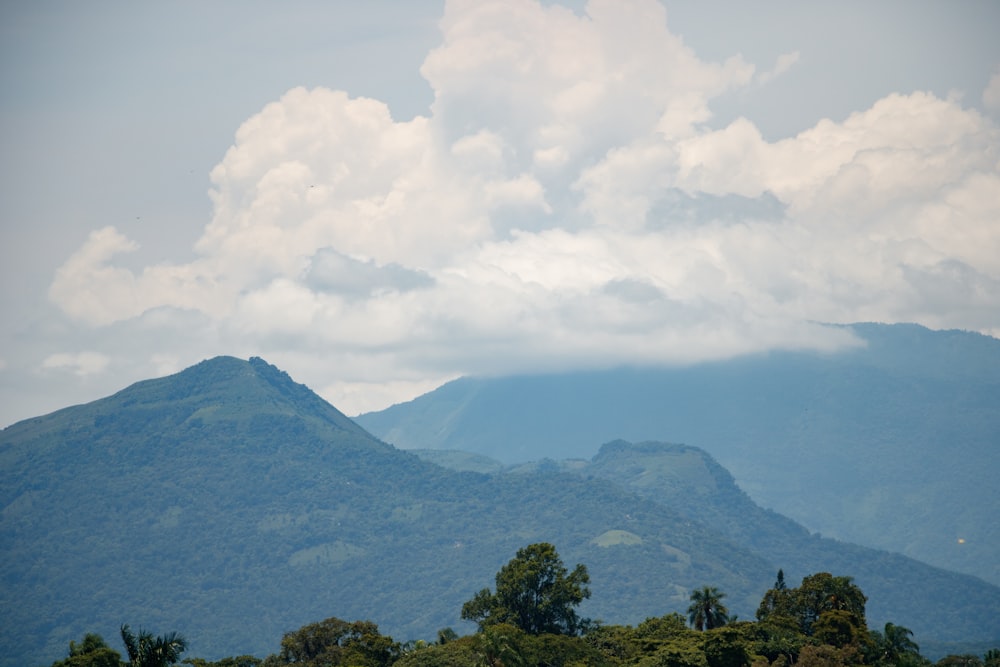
[
  {"x": 231, "y": 504},
  {"x": 894, "y": 444}
]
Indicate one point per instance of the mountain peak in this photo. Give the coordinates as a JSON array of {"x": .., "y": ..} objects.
[
  {"x": 216, "y": 389},
  {"x": 234, "y": 387}
]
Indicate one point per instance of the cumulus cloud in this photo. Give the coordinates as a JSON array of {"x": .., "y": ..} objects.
[
  {"x": 89, "y": 288},
  {"x": 784, "y": 63},
  {"x": 564, "y": 203},
  {"x": 991, "y": 95},
  {"x": 80, "y": 363}
]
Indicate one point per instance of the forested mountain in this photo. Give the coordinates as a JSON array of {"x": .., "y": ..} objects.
[
  {"x": 894, "y": 444},
  {"x": 689, "y": 481},
  {"x": 231, "y": 504}
]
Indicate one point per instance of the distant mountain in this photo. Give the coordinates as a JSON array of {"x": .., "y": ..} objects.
[
  {"x": 894, "y": 444},
  {"x": 231, "y": 504},
  {"x": 689, "y": 481}
]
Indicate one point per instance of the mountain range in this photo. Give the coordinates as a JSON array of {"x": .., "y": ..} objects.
[
  {"x": 893, "y": 443},
  {"x": 231, "y": 504}
]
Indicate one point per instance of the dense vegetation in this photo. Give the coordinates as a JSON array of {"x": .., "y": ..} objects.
[
  {"x": 232, "y": 504},
  {"x": 892, "y": 444},
  {"x": 531, "y": 621}
]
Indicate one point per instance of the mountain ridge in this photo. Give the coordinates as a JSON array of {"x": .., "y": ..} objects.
[
  {"x": 231, "y": 504},
  {"x": 891, "y": 444},
  {"x": 690, "y": 481}
]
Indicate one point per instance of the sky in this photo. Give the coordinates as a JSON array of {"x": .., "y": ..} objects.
[{"x": 379, "y": 197}]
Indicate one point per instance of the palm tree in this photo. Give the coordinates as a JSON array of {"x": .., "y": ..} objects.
[
  {"x": 706, "y": 610},
  {"x": 145, "y": 650},
  {"x": 496, "y": 648},
  {"x": 896, "y": 643}
]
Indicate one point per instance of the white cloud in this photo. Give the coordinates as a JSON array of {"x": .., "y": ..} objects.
[
  {"x": 89, "y": 288},
  {"x": 563, "y": 204},
  {"x": 784, "y": 63},
  {"x": 80, "y": 363},
  {"x": 991, "y": 94}
]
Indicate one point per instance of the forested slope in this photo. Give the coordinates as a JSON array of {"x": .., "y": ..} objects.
[
  {"x": 231, "y": 504},
  {"x": 892, "y": 444}
]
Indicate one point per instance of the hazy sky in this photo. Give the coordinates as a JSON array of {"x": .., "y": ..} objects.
[{"x": 379, "y": 196}]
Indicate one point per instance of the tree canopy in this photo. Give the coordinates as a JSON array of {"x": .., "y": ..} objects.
[
  {"x": 530, "y": 621},
  {"x": 93, "y": 651},
  {"x": 820, "y": 594},
  {"x": 534, "y": 592},
  {"x": 336, "y": 642},
  {"x": 145, "y": 650},
  {"x": 706, "y": 610}
]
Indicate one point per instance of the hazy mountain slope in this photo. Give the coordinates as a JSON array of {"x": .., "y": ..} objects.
[
  {"x": 687, "y": 480},
  {"x": 232, "y": 505},
  {"x": 894, "y": 445}
]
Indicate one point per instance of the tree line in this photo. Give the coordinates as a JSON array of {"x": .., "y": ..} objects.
[{"x": 530, "y": 619}]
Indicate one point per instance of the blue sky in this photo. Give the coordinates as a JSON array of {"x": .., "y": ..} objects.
[{"x": 381, "y": 196}]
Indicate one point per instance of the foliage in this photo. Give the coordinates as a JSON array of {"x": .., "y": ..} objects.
[
  {"x": 685, "y": 651},
  {"x": 459, "y": 652},
  {"x": 499, "y": 645},
  {"x": 664, "y": 641},
  {"x": 336, "y": 642},
  {"x": 824, "y": 655},
  {"x": 534, "y": 592},
  {"x": 145, "y": 650},
  {"x": 232, "y": 661},
  {"x": 823, "y": 592},
  {"x": 894, "y": 645},
  {"x": 960, "y": 660},
  {"x": 93, "y": 651},
  {"x": 726, "y": 647},
  {"x": 706, "y": 610},
  {"x": 823, "y": 603},
  {"x": 908, "y": 404},
  {"x": 257, "y": 504}
]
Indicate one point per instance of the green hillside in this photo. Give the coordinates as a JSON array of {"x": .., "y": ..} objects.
[
  {"x": 892, "y": 444},
  {"x": 231, "y": 504},
  {"x": 690, "y": 482}
]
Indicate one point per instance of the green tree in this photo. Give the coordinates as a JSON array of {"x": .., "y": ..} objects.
[
  {"x": 445, "y": 635},
  {"x": 799, "y": 608},
  {"x": 685, "y": 651},
  {"x": 499, "y": 646},
  {"x": 726, "y": 647},
  {"x": 992, "y": 658},
  {"x": 534, "y": 592},
  {"x": 662, "y": 627},
  {"x": 460, "y": 652},
  {"x": 962, "y": 660},
  {"x": 93, "y": 651},
  {"x": 837, "y": 627},
  {"x": 337, "y": 642},
  {"x": 777, "y": 608},
  {"x": 894, "y": 645},
  {"x": 824, "y": 655},
  {"x": 145, "y": 650},
  {"x": 232, "y": 661},
  {"x": 706, "y": 610},
  {"x": 822, "y": 592}
]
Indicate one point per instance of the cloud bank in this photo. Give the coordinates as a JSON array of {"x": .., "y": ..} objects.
[{"x": 563, "y": 204}]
